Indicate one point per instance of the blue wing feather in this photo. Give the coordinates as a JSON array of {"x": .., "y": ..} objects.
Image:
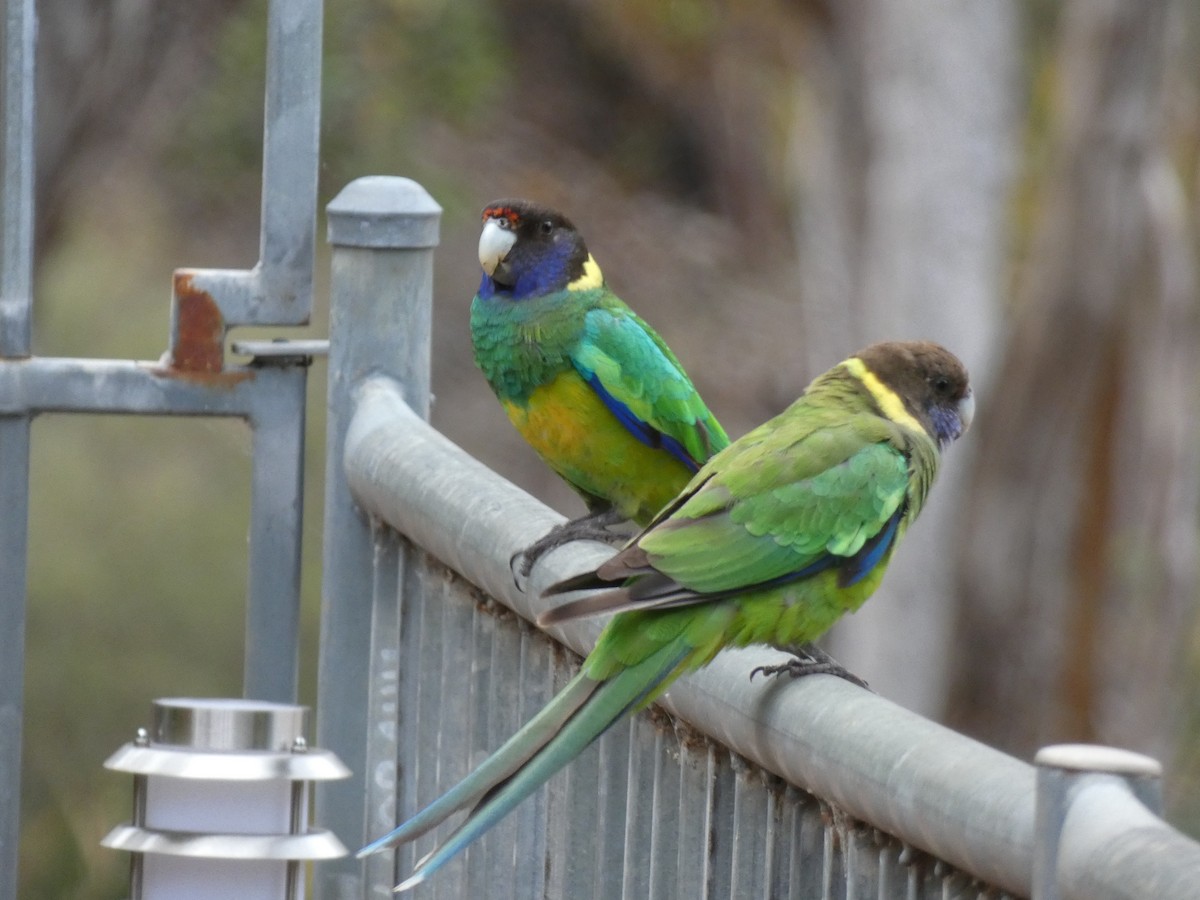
[
  {"x": 643, "y": 431},
  {"x": 861, "y": 563}
]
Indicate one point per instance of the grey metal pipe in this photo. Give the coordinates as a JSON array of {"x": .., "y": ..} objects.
[
  {"x": 383, "y": 231},
  {"x": 1114, "y": 848},
  {"x": 937, "y": 790},
  {"x": 63, "y": 385},
  {"x": 1100, "y": 836}
]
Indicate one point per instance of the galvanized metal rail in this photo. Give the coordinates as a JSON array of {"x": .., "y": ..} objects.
[
  {"x": 420, "y": 676},
  {"x": 193, "y": 377}
]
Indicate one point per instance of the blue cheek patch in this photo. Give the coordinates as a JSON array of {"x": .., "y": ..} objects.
[
  {"x": 946, "y": 425},
  {"x": 648, "y": 435},
  {"x": 534, "y": 278},
  {"x": 487, "y": 287}
]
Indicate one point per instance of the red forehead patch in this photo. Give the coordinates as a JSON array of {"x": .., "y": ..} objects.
[{"x": 502, "y": 212}]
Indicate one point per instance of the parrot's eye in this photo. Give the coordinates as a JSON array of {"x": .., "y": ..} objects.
[
  {"x": 546, "y": 226},
  {"x": 941, "y": 384}
]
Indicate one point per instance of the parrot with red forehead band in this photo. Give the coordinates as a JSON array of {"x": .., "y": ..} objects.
[{"x": 588, "y": 384}]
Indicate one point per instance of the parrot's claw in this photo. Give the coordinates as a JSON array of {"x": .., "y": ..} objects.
[
  {"x": 592, "y": 527},
  {"x": 811, "y": 660}
]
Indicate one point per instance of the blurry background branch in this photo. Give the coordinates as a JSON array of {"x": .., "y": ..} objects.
[{"x": 106, "y": 73}]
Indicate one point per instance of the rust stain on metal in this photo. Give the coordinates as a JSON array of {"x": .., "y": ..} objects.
[
  {"x": 200, "y": 329},
  {"x": 198, "y": 351}
]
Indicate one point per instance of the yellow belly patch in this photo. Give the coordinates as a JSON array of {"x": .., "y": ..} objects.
[{"x": 569, "y": 426}]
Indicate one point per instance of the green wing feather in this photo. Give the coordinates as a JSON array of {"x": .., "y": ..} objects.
[
  {"x": 636, "y": 369},
  {"x": 747, "y": 522}
]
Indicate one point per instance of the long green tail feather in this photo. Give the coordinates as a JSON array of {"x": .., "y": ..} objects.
[
  {"x": 610, "y": 701},
  {"x": 513, "y": 754}
]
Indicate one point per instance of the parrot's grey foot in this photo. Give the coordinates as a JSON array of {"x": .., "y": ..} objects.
[
  {"x": 592, "y": 527},
  {"x": 811, "y": 660}
]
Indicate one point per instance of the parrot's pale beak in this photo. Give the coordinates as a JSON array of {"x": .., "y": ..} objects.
[
  {"x": 494, "y": 243},
  {"x": 966, "y": 409}
]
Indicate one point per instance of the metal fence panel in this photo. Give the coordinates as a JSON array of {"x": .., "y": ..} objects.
[
  {"x": 970, "y": 805},
  {"x": 655, "y": 810},
  {"x": 773, "y": 788}
]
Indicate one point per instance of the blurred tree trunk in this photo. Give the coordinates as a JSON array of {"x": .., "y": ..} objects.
[
  {"x": 904, "y": 152},
  {"x": 1080, "y": 542}
]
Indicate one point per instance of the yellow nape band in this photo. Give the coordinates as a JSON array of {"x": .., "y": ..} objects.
[
  {"x": 889, "y": 401},
  {"x": 591, "y": 277}
]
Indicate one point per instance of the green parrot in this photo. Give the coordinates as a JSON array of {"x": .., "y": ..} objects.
[
  {"x": 592, "y": 388},
  {"x": 774, "y": 539}
]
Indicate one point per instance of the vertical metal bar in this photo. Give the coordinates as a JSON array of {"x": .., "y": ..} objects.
[
  {"x": 635, "y": 875},
  {"x": 278, "y": 290},
  {"x": 141, "y": 783},
  {"x": 484, "y": 624},
  {"x": 750, "y": 815},
  {"x": 14, "y": 501},
  {"x": 381, "y": 789},
  {"x": 383, "y": 232},
  {"x": 530, "y": 822},
  {"x": 575, "y": 815},
  {"x": 292, "y": 119},
  {"x": 16, "y": 297},
  {"x": 276, "y": 515},
  {"x": 505, "y": 690},
  {"x": 1062, "y": 770},
  {"x": 665, "y": 827},
  {"x": 412, "y": 661},
  {"x": 721, "y": 827},
  {"x": 16, "y": 224},
  {"x": 298, "y": 824}
]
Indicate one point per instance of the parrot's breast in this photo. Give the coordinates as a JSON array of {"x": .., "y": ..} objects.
[{"x": 569, "y": 426}]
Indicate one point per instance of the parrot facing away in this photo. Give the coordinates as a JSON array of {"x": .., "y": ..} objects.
[
  {"x": 588, "y": 384},
  {"x": 774, "y": 539}
]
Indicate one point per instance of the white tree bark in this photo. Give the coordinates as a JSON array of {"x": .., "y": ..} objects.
[{"x": 904, "y": 159}]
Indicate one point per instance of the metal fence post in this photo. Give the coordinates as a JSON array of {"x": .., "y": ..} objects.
[
  {"x": 16, "y": 299},
  {"x": 383, "y": 231},
  {"x": 272, "y": 664},
  {"x": 1122, "y": 785}
]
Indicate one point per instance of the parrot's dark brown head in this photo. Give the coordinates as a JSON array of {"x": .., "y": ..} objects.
[
  {"x": 528, "y": 250},
  {"x": 925, "y": 381}
]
